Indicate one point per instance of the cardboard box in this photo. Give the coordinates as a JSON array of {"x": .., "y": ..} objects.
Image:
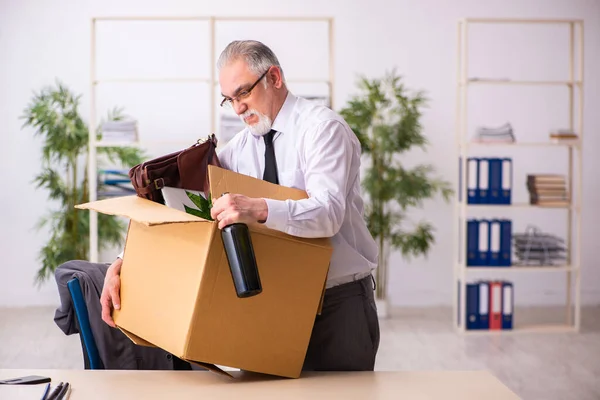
[{"x": 177, "y": 291}]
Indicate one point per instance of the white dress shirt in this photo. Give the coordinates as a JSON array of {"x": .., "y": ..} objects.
[{"x": 315, "y": 151}]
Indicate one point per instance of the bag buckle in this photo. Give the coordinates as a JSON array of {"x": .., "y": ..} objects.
[
  {"x": 158, "y": 185},
  {"x": 210, "y": 137}
]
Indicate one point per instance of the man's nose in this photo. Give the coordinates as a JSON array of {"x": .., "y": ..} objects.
[{"x": 239, "y": 107}]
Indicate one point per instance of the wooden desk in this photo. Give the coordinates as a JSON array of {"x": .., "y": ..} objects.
[{"x": 117, "y": 385}]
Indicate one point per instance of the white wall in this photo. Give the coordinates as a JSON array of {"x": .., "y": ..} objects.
[{"x": 41, "y": 41}]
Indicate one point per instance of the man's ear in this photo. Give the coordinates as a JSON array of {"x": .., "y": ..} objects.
[{"x": 274, "y": 76}]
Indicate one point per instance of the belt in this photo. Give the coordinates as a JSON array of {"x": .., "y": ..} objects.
[{"x": 347, "y": 279}]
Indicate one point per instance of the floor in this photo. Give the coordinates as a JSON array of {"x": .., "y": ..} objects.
[{"x": 535, "y": 366}]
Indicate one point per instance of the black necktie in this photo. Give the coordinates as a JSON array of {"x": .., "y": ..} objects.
[{"x": 270, "y": 174}]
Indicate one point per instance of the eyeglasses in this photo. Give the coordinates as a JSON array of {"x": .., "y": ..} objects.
[{"x": 243, "y": 94}]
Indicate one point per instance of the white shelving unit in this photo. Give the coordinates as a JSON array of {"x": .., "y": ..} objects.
[
  {"x": 462, "y": 273},
  {"x": 212, "y": 80}
]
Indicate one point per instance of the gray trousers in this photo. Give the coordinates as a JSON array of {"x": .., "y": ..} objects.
[{"x": 345, "y": 335}]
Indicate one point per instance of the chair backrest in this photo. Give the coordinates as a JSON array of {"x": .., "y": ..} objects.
[{"x": 90, "y": 349}]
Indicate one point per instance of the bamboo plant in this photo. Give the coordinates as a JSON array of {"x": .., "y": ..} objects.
[
  {"x": 386, "y": 118},
  {"x": 53, "y": 113}
]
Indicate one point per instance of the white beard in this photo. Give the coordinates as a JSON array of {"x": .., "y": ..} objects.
[{"x": 262, "y": 127}]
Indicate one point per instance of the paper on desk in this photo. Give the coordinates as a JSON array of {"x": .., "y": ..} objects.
[{"x": 22, "y": 392}]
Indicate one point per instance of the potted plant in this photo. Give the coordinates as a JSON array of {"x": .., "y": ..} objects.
[
  {"x": 386, "y": 118},
  {"x": 53, "y": 112}
]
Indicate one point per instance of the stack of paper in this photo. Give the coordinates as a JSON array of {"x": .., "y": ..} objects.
[
  {"x": 114, "y": 183},
  {"x": 502, "y": 134},
  {"x": 120, "y": 131},
  {"x": 536, "y": 247}
]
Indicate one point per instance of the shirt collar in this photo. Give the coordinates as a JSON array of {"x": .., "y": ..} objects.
[{"x": 283, "y": 116}]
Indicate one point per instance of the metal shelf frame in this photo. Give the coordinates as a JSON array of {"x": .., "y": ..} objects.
[{"x": 575, "y": 86}]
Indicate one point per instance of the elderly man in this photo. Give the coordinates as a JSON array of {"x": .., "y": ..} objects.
[{"x": 293, "y": 142}]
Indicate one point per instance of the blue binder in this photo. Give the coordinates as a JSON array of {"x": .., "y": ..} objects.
[
  {"x": 472, "y": 242},
  {"x": 495, "y": 180},
  {"x": 507, "y": 181},
  {"x": 483, "y": 180},
  {"x": 484, "y": 305},
  {"x": 494, "y": 243},
  {"x": 472, "y": 180},
  {"x": 505, "y": 243},
  {"x": 483, "y": 245},
  {"x": 472, "y": 306},
  {"x": 507, "y": 305},
  {"x": 460, "y": 182}
]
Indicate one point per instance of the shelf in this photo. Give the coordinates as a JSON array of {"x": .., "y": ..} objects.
[
  {"x": 184, "y": 143},
  {"x": 536, "y": 144},
  {"x": 515, "y": 205},
  {"x": 521, "y": 21},
  {"x": 152, "y": 80},
  {"x": 524, "y": 268},
  {"x": 325, "y": 81},
  {"x": 205, "y": 18},
  {"x": 541, "y": 328},
  {"x": 491, "y": 81},
  {"x": 521, "y": 144}
]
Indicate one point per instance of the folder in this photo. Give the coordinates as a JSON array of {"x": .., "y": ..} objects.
[
  {"x": 505, "y": 243},
  {"x": 472, "y": 179},
  {"x": 495, "y": 305},
  {"x": 483, "y": 246},
  {"x": 507, "y": 181},
  {"x": 460, "y": 182},
  {"x": 483, "y": 180},
  {"x": 494, "y": 243},
  {"x": 507, "y": 305},
  {"x": 495, "y": 180},
  {"x": 458, "y": 302},
  {"x": 472, "y": 306},
  {"x": 472, "y": 242},
  {"x": 484, "y": 306}
]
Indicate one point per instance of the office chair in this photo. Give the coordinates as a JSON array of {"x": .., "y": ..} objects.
[{"x": 91, "y": 357}]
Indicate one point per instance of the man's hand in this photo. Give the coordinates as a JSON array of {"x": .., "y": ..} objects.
[
  {"x": 232, "y": 208},
  {"x": 111, "y": 292}
]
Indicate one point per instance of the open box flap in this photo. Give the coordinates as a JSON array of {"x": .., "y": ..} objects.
[
  {"x": 141, "y": 210},
  {"x": 135, "y": 338},
  {"x": 211, "y": 367},
  {"x": 141, "y": 342},
  {"x": 225, "y": 181}
]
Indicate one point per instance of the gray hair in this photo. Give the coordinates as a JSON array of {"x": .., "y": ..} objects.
[{"x": 257, "y": 55}]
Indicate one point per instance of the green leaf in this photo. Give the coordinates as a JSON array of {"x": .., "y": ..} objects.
[
  {"x": 386, "y": 118},
  {"x": 198, "y": 201},
  {"x": 193, "y": 211},
  {"x": 204, "y": 206},
  {"x": 52, "y": 115}
]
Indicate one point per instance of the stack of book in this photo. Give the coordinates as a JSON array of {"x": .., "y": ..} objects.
[
  {"x": 547, "y": 190},
  {"x": 563, "y": 136}
]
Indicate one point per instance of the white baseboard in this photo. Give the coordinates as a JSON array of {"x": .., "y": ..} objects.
[{"x": 383, "y": 308}]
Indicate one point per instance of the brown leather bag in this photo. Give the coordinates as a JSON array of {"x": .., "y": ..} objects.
[{"x": 184, "y": 169}]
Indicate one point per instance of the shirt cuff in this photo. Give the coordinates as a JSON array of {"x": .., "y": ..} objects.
[{"x": 277, "y": 214}]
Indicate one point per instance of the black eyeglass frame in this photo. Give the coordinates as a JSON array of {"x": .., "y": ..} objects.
[{"x": 244, "y": 93}]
